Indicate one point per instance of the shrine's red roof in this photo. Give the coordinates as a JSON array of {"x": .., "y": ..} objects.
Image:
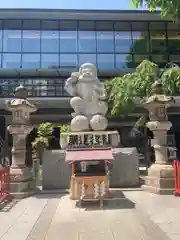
[{"x": 89, "y": 154}]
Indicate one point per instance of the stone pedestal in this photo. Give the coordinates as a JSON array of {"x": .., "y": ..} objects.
[
  {"x": 160, "y": 177},
  {"x": 22, "y": 183}
]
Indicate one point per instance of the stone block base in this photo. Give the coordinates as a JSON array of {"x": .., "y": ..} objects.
[
  {"x": 160, "y": 179},
  {"x": 22, "y": 184},
  {"x": 156, "y": 190},
  {"x": 125, "y": 168}
]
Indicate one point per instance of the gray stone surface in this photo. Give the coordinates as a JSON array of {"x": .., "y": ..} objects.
[
  {"x": 88, "y": 99},
  {"x": 117, "y": 221},
  {"x": 160, "y": 177},
  {"x": 164, "y": 211},
  {"x": 19, "y": 129},
  {"x": 18, "y": 218},
  {"x": 56, "y": 172},
  {"x": 125, "y": 172},
  {"x": 133, "y": 215}
]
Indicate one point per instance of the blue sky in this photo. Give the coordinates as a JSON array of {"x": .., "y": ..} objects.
[{"x": 68, "y": 4}]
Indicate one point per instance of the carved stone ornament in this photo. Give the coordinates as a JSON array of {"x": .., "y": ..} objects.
[
  {"x": 20, "y": 106},
  {"x": 88, "y": 99},
  {"x": 158, "y": 103}
]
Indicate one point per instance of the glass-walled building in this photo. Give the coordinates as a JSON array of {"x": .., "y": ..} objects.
[
  {"x": 110, "y": 44},
  {"x": 39, "y": 47}
]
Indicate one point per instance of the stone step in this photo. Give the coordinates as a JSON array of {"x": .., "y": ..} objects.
[{"x": 21, "y": 195}]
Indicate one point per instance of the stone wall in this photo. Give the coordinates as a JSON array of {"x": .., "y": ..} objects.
[
  {"x": 125, "y": 170},
  {"x": 56, "y": 173}
]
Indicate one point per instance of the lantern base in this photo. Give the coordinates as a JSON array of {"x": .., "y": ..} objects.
[
  {"x": 22, "y": 183},
  {"x": 160, "y": 179}
]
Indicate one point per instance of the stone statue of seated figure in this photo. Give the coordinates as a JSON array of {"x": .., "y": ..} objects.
[{"x": 88, "y": 100}]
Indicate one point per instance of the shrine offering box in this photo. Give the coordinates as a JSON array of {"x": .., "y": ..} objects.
[{"x": 90, "y": 172}]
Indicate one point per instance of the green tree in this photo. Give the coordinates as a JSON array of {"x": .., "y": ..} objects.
[
  {"x": 122, "y": 91},
  {"x": 170, "y": 8}
]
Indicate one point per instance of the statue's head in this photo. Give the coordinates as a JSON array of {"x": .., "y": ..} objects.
[{"x": 88, "y": 72}]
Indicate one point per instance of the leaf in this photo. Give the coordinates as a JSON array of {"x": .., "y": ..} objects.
[
  {"x": 122, "y": 90},
  {"x": 168, "y": 8}
]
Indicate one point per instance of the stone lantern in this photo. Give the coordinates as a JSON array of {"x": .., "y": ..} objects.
[
  {"x": 20, "y": 175},
  {"x": 160, "y": 177}
]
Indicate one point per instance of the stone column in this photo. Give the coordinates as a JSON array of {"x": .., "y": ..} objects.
[
  {"x": 160, "y": 177},
  {"x": 22, "y": 183}
]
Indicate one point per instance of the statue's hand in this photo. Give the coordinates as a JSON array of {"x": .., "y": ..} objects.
[
  {"x": 70, "y": 85},
  {"x": 101, "y": 91},
  {"x": 75, "y": 75}
]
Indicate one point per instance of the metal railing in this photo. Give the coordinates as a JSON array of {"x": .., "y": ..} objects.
[
  {"x": 4, "y": 174},
  {"x": 53, "y": 88},
  {"x": 4, "y": 184},
  {"x": 4, "y": 160},
  {"x": 176, "y": 178}
]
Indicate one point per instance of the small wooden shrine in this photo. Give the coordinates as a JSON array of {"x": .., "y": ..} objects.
[{"x": 90, "y": 173}]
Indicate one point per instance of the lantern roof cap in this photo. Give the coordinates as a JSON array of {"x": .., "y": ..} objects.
[{"x": 21, "y": 92}]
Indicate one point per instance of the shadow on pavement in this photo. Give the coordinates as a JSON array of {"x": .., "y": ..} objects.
[
  {"x": 50, "y": 195},
  {"x": 115, "y": 200},
  {"x": 7, "y": 206}
]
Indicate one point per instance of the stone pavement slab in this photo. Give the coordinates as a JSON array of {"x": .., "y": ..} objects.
[
  {"x": 17, "y": 222},
  {"x": 55, "y": 216},
  {"x": 162, "y": 210},
  {"x": 111, "y": 223}
]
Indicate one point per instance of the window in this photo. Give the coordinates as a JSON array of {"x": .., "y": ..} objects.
[
  {"x": 68, "y": 25},
  {"x": 12, "y": 24},
  {"x": 122, "y": 26},
  {"x": 50, "y": 41},
  {"x": 12, "y": 41},
  {"x": 68, "y": 41},
  {"x": 140, "y": 42},
  {"x": 123, "y": 42},
  {"x": 158, "y": 41},
  {"x": 161, "y": 60},
  {"x": 104, "y": 26},
  {"x": 171, "y": 26},
  {"x": 105, "y": 61},
  {"x": 86, "y": 26},
  {"x": 139, "y": 26},
  {"x": 39, "y": 87},
  {"x": 84, "y": 58},
  {"x": 0, "y": 40},
  {"x": 173, "y": 41},
  {"x": 31, "y": 61},
  {"x": 48, "y": 60},
  {"x": 87, "y": 41},
  {"x": 157, "y": 26},
  {"x": 139, "y": 58},
  {"x": 124, "y": 61},
  {"x": 68, "y": 61},
  {"x": 50, "y": 25},
  {"x": 31, "y": 41},
  {"x": 105, "y": 42},
  {"x": 31, "y": 24},
  {"x": 175, "y": 59},
  {"x": 11, "y": 60}
]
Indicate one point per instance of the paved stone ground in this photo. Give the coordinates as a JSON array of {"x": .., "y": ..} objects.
[
  {"x": 51, "y": 217},
  {"x": 164, "y": 211}
]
